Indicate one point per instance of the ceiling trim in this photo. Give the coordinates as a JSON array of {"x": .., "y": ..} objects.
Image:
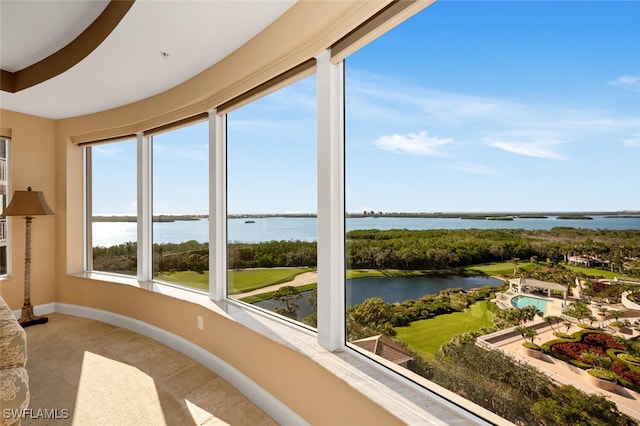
[{"x": 69, "y": 55}]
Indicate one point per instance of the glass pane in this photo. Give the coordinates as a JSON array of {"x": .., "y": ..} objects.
[
  {"x": 492, "y": 153},
  {"x": 181, "y": 206},
  {"x": 271, "y": 202},
  {"x": 114, "y": 207}
]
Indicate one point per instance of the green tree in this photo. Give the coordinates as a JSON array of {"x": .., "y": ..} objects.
[
  {"x": 568, "y": 406},
  {"x": 288, "y": 295}
]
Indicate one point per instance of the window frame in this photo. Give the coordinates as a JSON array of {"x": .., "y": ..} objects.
[{"x": 7, "y": 220}]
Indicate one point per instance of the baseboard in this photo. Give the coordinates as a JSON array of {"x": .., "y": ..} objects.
[
  {"x": 263, "y": 399},
  {"x": 45, "y": 309}
]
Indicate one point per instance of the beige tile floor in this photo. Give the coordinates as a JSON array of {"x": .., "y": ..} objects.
[{"x": 105, "y": 375}]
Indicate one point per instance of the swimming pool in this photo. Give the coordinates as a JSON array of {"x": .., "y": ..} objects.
[{"x": 522, "y": 301}]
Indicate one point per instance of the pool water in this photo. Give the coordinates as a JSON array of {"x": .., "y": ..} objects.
[{"x": 522, "y": 301}]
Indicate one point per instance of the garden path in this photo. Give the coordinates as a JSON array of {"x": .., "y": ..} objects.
[{"x": 299, "y": 280}]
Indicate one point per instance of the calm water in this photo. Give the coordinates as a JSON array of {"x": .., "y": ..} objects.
[
  {"x": 304, "y": 229},
  {"x": 522, "y": 301},
  {"x": 399, "y": 289},
  {"x": 390, "y": 289}
]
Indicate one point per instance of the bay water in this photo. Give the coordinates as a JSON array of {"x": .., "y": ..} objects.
[{"x": 304, "y": 228}]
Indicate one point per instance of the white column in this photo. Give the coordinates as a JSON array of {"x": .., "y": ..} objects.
[
  {"x": 145, "y": 211},
  {"x": 331, "y": 268},
  {"x": 217, "y": 207}
]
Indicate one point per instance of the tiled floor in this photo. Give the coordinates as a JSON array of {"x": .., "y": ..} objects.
[{"x": 88, "y": 373}]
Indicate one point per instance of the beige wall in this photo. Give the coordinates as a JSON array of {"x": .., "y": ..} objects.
[
  {"x": 32, "y": 163},
  {"x": 45, "y": 155}
]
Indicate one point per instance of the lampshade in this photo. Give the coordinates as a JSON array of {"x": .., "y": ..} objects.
[{"x": 27, "y": 203}]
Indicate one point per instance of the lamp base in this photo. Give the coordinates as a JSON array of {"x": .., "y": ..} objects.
[{"x": 29, "y": 318}]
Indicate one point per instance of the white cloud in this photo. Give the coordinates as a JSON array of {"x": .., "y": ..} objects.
[
  {"x": 630, "y": 82},
  {"x": 537, "y": 148},
  {"x": 413, "y": 143},
  {"x": 633, "y": 142},
  {"x": 474, "y": 168}
]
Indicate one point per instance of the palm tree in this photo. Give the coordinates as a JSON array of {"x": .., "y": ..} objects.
[
  {"x": 515, "y": 265},
  {"x": 552, "y": 319},
  {"x": 527, "y": 333}
]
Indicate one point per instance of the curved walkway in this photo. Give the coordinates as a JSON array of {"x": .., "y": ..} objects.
[{"x": 299, "y": 280}]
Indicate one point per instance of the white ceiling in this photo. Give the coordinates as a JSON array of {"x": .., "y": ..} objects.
[{"x": 128, "y": 65}]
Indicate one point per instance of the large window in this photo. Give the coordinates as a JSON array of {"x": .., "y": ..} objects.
[
  {"x": 4, "y": 192},
  {"x": 271, "y": 202},
  {"x": 492, "y": 192},
  {"x": 484, "y": 141},
  {"x": 181, "y": 206},
  {"x": 112, "y": 207}
]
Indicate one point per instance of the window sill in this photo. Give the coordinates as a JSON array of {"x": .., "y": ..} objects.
[{"x": 393, "y": 388}]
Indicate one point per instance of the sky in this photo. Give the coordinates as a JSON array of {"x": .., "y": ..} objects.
[{"x": 506, "y": 106}]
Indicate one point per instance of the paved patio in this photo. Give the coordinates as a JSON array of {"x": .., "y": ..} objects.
[{"x": 627, "y": 400}]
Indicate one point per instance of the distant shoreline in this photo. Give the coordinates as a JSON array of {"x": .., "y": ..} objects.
[{"x": 437, "y": 215}]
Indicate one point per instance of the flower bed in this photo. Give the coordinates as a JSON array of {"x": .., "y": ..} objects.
[{"x": 572, "y": 350}]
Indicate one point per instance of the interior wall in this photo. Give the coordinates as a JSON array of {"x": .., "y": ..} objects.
[{"x": 31, "y": 163}]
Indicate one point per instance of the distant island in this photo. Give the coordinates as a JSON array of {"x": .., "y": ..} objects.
[
  {"x": 158, "y": 218},
  {"x": 477, "y": 216}
]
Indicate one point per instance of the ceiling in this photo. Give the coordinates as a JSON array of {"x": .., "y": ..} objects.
[{"x": 156, "y": 45}]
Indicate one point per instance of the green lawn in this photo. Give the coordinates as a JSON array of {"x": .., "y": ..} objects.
[
  {"x": 241, "y": 281},
  {"x": 252, "y": 279},
  {"x": 269, "y": 294},
  {"x": 499, "y": 268},
  {"x": 187, "y": 279},
  {"x": 426, "y": 336}
]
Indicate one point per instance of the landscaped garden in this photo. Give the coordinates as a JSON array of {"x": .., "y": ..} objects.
[{"x": 603, "y": 355}]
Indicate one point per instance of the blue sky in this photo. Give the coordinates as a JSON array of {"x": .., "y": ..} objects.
[{"x": 468, "y": 106}]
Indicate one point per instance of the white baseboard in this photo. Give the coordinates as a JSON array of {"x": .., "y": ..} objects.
[{"x": 263, "y": 399}]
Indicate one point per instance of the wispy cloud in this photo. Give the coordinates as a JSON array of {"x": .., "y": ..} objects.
[
  {"x": 197, "y": 152},
  {"x": 537, "y": 148},
  {"x": 473, "y": 168},
  {"x": 108, "y": 150},
  {"x": 633, "y": 141},
  {"x": 629, "y": 82},
  {"x": 414, "y": 143}
]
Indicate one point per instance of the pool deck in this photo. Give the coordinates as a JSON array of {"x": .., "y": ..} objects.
[{"x": 510, "y": 342}]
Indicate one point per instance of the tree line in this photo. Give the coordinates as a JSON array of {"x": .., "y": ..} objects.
[{"x": 435, "y": 249}]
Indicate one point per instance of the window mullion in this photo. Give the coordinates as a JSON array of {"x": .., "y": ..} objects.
[
  {"x": 87, "y": 260},
  {"x": 331, "y": 297},
  {"x": 217, "y": 206},
  {"x": 144, "y": 205}
]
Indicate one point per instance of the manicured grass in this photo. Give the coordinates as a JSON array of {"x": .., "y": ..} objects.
[
  {"x": 426, "y": 336},
  {"x": 241, "y": 281},
  {"x": 500, "y": 268},
  {"x": 359, "y": 273},
  {"x": 252, "y": 279},
  {"x": 187, "y": 279},
  {"x": 591, "y": 272},
  {"x": 269, "y": 294}
]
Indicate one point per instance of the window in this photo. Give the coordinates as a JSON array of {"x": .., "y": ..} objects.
[
  {"x": 271, "y": 202},
  {"x": 111, "y": 207},
  {"x": 470, "y": 128},
  {"x": 181, "y": 206},
  {"x": 4, "y": 193}
]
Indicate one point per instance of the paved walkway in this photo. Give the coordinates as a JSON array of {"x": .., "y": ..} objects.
[
  {"x": 627, "y": 400},
  {"x": 301, "y": 279}
]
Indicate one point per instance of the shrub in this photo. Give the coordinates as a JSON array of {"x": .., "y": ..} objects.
[
  {"x": 603, "y": 374},
  {"x": 623, "y": 371}
]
